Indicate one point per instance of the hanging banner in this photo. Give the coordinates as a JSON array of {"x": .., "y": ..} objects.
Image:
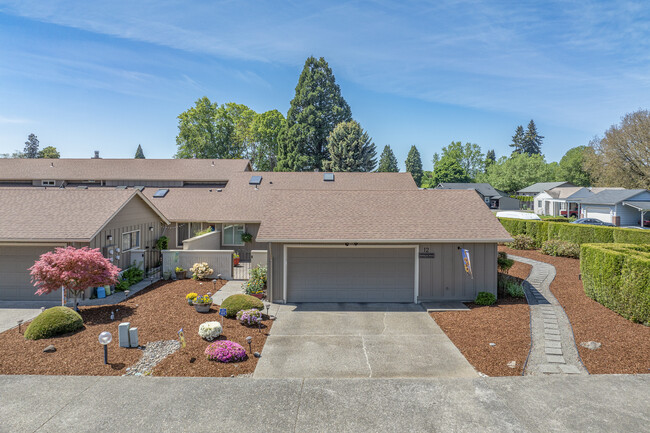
[{"x": 466, "y": 261}]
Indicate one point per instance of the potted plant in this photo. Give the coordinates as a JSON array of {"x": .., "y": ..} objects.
[
  {"x": 190, "y": 297},
  {"x": 202, "y": 304},
  {"x": 246, "y": 237},
  {"x": 235, "y": 259},
  {"x": 257, "y": 283},
  {"x": 180, "y": 273}
]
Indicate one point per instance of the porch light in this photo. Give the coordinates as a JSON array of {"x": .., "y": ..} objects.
[
  {"x": 105, "y": 338},
  {"x": 150, "y": 228},
  {"x": 109, "y": 237}
]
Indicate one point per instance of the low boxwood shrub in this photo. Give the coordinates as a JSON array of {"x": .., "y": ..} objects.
[
  {"x": 522, "y": 242},
  {"x": 618, "y": 277},
  {"x": 558, "y": 248},
  {"x": 235, "y": 303},
  {"x": 485, "y": 298},
  {"x": 52, "y": 322}
]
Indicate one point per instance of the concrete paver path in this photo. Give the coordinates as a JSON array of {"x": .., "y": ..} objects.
[
  {"x": 348, "y": 340},
  {"x": 599, "y": 403},
  {"x": 554, "y": 350}
]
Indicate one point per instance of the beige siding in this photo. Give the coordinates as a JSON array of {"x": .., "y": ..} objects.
[{"x": 136, "y": 215}]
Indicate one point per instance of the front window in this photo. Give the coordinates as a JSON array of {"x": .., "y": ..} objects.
[
  {"x": 539, "y": 203},
  {"x": 232, "y": 234},
  {"x": 185, "y": 231},
  {"x": 130, "y": 240}
]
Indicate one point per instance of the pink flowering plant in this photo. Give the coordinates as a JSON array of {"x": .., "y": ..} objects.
[
  {"x": 225, "y": 351},
  {"x": 251, "y": 317},
  {"x": 74, "y": 269}
]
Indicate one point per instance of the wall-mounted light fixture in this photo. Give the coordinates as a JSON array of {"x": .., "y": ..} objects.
[
  {"x": 150, "y": 228},
  {"x": 109, "y": 237}
]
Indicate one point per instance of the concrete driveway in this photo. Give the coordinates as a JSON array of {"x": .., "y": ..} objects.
[
  {"x": 10, "y": 312},
  {"x": 358, "y": 340}
]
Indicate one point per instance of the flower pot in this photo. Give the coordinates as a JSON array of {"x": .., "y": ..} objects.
[
  {"x": 202, "y": 308},
  {"x": 258, "y": 295},
  {"x": 181, "y": 275},
  {"x": 235, "y": 261}
]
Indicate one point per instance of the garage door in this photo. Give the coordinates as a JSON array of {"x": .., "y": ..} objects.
[
  {"x": 350, "y": 274},
  {"x": 600, "y": 213},
  {"x": 15, "y": 282}
]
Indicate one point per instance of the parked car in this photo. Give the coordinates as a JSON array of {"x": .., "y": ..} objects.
[
  {"x": 593, "y": 222},
  {"x": 518, "y": 215},
  {"x": 572, "y": 213}
]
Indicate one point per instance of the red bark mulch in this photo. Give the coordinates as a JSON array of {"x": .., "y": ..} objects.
[
  {"x": 158, "y": 312},
  {"x": 625, "y": 345},
  {"x": 506, "y": 323}
]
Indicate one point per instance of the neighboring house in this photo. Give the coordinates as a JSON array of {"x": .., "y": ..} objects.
[
  {"x": 627, "y": 207},
  {"x": 561, "y": 201},
  {"x": 121, "y": 223},
  {"x": 492, "y": 197},
  {"x": 540, "y": 187},
  {"x": 326, "y": 237}
]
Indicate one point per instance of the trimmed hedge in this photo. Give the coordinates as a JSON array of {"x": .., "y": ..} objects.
[
  {"x": 579, "y": 234},
  {"x": 52, "y": 322},
  {"x": 235, "y": 303},
  {"x": 618, "y": 277}
]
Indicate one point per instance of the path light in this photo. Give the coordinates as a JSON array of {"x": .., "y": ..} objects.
[
  {"x": 267, "y": 305},
  {"x": 126, "y": 294},
  {"x": 105, "y": 338},
  {"x": 20, "y": 322},
  {"x": 249, "y": 340},
  {"x": 214, "y": 285}
]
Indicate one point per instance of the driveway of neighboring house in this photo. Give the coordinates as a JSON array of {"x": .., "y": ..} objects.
[{"x": 337, "y": 340}]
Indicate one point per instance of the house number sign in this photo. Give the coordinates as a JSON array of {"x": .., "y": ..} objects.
[{"x": 426, "y": 254}]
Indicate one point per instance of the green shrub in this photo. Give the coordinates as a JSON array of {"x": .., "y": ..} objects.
[
  {"x": 503, "y": 262},
  {"x": 235, "y": 303},
  {"x": 130, "y": 276},
  {"x": 522, "y": 242},
  {"x": 618, "y": 277},
  {"x": 485, "y": 298},
  {"x": 162, "y": 243},
  {"x": 514, "y": 289},
  {"x": 558, "y": 248},
  {"x": 554, "y": 219},
  {"x": 52, "y": 322}
]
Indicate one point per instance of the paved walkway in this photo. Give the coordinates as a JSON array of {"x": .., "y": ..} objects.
[
  {"x": 350, "y": 340},
  {"x": 554, "y": 349},
  {"x": 598, "y": 403}
]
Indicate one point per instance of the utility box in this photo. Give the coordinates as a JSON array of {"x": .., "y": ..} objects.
[
  {"x": 123, "y": 334},
  {"x": 133, "y": 337}
]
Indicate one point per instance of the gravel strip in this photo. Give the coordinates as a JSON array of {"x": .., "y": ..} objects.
[{"x": 152, "y": 355}]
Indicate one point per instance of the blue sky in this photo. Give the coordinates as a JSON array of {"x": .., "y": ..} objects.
[{"x": 108, "y": 76}]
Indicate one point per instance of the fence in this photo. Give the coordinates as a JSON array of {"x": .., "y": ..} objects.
[
  {"x": 149, "y": 260},
  {"x": 219, "y": 260}
]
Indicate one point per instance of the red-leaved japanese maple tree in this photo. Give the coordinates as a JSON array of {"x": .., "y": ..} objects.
[{"x": 74, "y": 269}]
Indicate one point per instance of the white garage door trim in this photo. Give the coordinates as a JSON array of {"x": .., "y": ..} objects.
[
  {"x": 416, "y": 270},
  {"x": 602, "y": 213}
]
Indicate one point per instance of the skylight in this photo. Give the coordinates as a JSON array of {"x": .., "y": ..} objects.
[
  {"x": 161, "y": 193},
  {"x": 328, "y": 177},
  {"x": 255, "y": 180}
]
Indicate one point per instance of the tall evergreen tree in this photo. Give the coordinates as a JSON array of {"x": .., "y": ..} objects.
[
  {"x": 414, "y": 164},
  {"x": 532, "y": 143},
  {"x": 31, "y": 147},
  {"x": 387, "y": 161},
  {"x": 316, "y": 109},
  {"x": 139, "y": 154},
  {"x": 490, "y": 158},
  {"x": 518, "y": 140},
  {"x": 350, "y": 149}
]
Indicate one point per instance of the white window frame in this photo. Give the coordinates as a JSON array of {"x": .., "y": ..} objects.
[
  {"x": 48, "y": 182},
  {"x": 223, "y": 234},
  {"x": 139, "y": 238}
]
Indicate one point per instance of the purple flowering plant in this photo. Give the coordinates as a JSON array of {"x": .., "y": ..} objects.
[
  {"x": 251, "y": 317},
  {"x": 225, "y": 351}
]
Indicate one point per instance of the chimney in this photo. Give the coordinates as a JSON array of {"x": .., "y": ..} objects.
[{"x": 96, "y": 155}]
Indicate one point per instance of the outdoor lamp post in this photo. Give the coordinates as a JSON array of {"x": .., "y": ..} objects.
[
  {"x": 214, "y": 285},
  {"x": 249, "y": 340},
  {"x": 20, "y": 322},
  {"x": 105, "y": 338},
  {"x": 267, "y": 305}
]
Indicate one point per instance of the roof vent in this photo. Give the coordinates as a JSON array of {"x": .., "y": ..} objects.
[
  {"x": 120, "y": 187},
  {"x": 255, "y": 180},
  {"x": 219, "y": 189},
  {"x": 328, "y": 177},
  {"x": 212, "y": 164},
  {"x": 51, "y": 164},
  {"x": 161, "y": 193},
  {"x": 82, "y": 187},
  {"x": 96, "y": 155}
]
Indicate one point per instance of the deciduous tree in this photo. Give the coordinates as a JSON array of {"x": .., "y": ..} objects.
[
  {"x": 469, "y": 157},
  {"x": 265, "y": 130},
  {"x": 448, "y": 170},
  {"x": 572, "y": 167},
  {"x": 316, "y": 109},
  {"x": 517, "y": 172},
  {"x": 49, "y": 152},
  {"x": 414, "y": 164},
  {"x": 72, "y": 269},
  {"x": 350, "y": 148},
  {"x": 388, "y": 161}
]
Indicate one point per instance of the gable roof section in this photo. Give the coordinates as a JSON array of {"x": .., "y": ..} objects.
[
  {"x": 241, "y": 202},
  {"x": 614, "y": 196},
  {"x": 436, "y": 215},
  {"x": 72, "y": 215},
  {"x": 544, "y": 186},
  {"x": 27, "y": 169},
  {"x": 566, "y": 192}
]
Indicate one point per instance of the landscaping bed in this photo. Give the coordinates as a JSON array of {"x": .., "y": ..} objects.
[
  {"x": 506, "y": 323},
  {"x": 625, "y": 345},
  {"x": 158, "y": 312}
]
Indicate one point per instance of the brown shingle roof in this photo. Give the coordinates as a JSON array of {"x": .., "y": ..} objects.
[
  {"x": 120, "y": 169},
  {"x": 379, "y": 216},
  {"x": 53, "y": 214},
  {"x": 241, "y": 202}
]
